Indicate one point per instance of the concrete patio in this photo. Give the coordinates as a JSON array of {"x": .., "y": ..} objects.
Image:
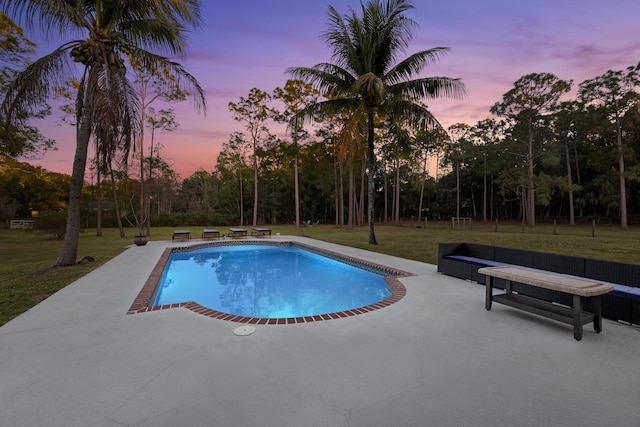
[{"x": 435, "y": 358}]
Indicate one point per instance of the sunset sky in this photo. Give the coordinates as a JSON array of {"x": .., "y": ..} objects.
[{"x": 250, "y": 43}]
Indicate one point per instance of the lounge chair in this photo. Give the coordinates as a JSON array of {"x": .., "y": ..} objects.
[
  {"x": 210, "y": 232},
  {"x": 260, "y": 232},
  {"x": 237, "y": 232},
  {"x": 181, "y": 234}
]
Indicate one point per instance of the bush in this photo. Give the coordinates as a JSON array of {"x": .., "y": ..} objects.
[{"x": 54, "y": 223}]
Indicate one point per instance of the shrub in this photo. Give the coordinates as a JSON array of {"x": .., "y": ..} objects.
[{"x": 53, "y": 223}]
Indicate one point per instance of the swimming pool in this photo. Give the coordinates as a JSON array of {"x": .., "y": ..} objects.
[{"x": 258, "y": 282}]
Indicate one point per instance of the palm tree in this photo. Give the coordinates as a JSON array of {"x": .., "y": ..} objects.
[
  {"x": 107, "y": 106},
  {"x": 364, "y": 79}
]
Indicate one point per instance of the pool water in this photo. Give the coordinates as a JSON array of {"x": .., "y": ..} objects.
[{"x": 264, "y": 281}]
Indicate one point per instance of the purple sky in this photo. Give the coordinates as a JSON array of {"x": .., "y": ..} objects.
[{"x": 250, "y": 43}]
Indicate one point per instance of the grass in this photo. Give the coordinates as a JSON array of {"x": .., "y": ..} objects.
[
  {"x": 26, "y": 260},
  {"x": 421, "y": 244},
  {"x": 26, "y": 257}
]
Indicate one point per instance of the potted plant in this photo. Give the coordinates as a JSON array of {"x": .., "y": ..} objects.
[
  {"x": 140, "y": 239},
  {"x": 139, "y": 222}
]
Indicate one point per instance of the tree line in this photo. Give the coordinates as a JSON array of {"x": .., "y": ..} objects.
[
  {"x": 480, "y": 171},
  {"x": 549, "y": 151},
  {"x": 360, "y": 145}
]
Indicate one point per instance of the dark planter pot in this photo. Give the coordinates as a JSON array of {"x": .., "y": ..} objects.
[{"x": 140, "y": 240}]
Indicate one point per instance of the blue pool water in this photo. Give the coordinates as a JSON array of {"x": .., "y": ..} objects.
[{"x": 267, "y": 282}]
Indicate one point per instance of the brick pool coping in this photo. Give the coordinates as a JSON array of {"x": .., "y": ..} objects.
[{"x": 141, "y": 303}]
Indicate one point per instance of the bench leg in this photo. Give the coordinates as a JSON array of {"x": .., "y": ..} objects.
[
  {"x": 577, "y": 317},
  {"x": 597, "y": 314},
  {"x": 489, "y": 295}
]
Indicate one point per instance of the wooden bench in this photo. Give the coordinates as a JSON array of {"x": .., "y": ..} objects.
[
  {"x": 579, "y": 288},
  {"x": 260, "y": 232},
  {"x": 181, "y": 234},
  {"x": 210, "y": 233},
  {"x": 237, "y": 232}
]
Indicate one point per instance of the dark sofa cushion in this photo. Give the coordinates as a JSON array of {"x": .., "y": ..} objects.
[
  {"x": 614, "y": 272},
  {"x": 477, "y": 261}
]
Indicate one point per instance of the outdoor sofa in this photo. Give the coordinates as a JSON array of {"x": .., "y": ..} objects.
[{"x": 462, "y": 260}]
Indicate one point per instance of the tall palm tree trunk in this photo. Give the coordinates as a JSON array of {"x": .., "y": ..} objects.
[
  {"x": 341, "y": 192},
  {"x": 422, "y": 183},
  {"x": 371, "y": 162},
  {"x": 297, "y": 190},
  {"x": 98, "y": 201},
  {"x": 150, "y": 177},
  {"x": 572, "y": 220},
  {"x": 491, "y": 204},
  {"x": 141, "y": 220},
  {"x": 385, "y": 212},
  {"x": 361, "y": 200},
  {"x": 69, "y": 251},
  {"x": 484, "y": 188},
  {"x": 296, "y": 179},
  {"x": 241, "y": 197},
  {"x": 458, "y": 189},
  {"x": 115, "y": 200},
  {"x": 255, "y": 186},
  {"x": 531, "y": 196},
  {"x": 336, "y": 193},
  {"x": 623, "y": 185},
  {"x": 396, "y": 195},
  {"x": 352, "y": 198}
]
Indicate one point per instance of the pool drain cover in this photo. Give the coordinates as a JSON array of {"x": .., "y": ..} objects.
[{"x": 244, "y": 330}]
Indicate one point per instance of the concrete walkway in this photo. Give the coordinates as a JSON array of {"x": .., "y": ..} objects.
[{"x": 436, "y": 358}]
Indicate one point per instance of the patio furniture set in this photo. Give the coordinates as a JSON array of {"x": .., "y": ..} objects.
[
  {"x": 211, "y": 233},
  {"x": 570, "y": 289}
]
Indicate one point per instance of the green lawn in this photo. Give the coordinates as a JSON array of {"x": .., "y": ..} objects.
[{"x": 26, "y": 257}]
